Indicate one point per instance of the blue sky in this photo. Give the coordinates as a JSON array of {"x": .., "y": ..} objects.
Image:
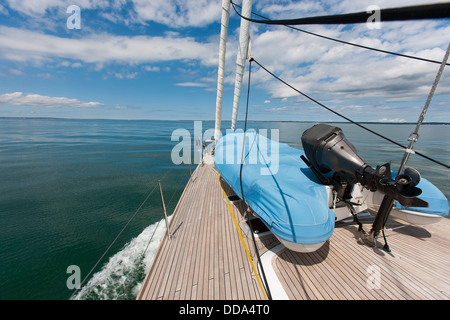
[{"x": 158, "y": 59}]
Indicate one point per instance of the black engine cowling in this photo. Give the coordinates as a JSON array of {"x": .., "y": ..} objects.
[{"x": 327, "y": 149}]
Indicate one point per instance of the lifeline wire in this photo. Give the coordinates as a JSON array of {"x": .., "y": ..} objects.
[
  {"x": 283, "y": 22},
  {"x": 240, "y": 179},
  {"x": 419, "y": 12},
  {"x": 117, "y": 237},
  {"x": 348, "y": 119},
  {"x": 242, "y": 238},
  {"x": 341, "y": 41},
  {"x": 112, "y": 243},
  {"x": 415, "y": 135},
  {"x": 168, "y": 206}
]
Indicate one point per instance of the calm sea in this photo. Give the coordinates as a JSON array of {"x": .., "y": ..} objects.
[{"x": 68, "y": 188}]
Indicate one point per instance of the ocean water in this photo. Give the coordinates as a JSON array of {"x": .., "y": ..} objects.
[{"x": 69, "y": 188}]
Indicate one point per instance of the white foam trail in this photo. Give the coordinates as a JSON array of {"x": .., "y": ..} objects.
[{"x": 122, "y": 276}]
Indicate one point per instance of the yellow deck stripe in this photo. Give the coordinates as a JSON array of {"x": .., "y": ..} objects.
[{"x": 242, "y": 240}]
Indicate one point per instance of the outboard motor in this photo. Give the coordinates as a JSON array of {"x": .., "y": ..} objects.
[{"x": 328, "y": 151}]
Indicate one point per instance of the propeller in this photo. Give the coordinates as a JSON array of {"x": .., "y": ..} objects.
[
  {"x": 414, "y": 175},
  {"x": 405, "y": 184}
]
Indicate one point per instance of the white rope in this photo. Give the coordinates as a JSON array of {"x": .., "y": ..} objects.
[
  {"x": 220, "y": 76},
  {"x": 241, "y": 58}
]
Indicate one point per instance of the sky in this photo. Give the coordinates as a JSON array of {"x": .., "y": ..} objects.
[{"x": 158, "y": 59}]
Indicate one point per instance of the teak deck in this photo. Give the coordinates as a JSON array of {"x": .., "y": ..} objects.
[{"x": 206, "y": 258}]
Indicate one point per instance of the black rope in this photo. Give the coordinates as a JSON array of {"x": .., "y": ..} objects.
[
  {"x": 342, "y": 41},
  {"x": 420, "y": 12},
  {"x": 240, "y": 182},
  {"x": 348, "y": 119}
]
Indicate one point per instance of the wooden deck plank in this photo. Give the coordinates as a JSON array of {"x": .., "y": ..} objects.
[
  {"x": 409, "y": 272},
  {"x": 207, "y": 260},
  {"x": 406, "y": 283},
  {"x": 177, "y": 271},
  {"x": 159, "y": 261},
  {"x": 192, "y": 287},
  {"x": 361, "y": 259},
  {"x": 340, "y": 278},
  {"x": 189, "y": 283}
]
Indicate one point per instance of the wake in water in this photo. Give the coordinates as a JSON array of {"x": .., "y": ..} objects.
[{"x": 122, "y": 277}]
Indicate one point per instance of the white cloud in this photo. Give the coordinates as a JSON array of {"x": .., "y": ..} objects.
[
  {"x": 278, "y": 109},
  {"x": 288, "y": 9},
  {"x": 124, "y": 107},
  {"x": 391, "y": 120},
  {"x": 26, "y": 45},
  {"x": 333, "y": 73},
  {"x": 132, "y": 75},
  {"x": 40, "y": 7},
  {"x": 36, "y": 100},
  {"x": 69, "y": 64},
  {"x": 179, "y": 13},
  {"x": 328, "y": 69},
  {"x": 173, "y": 13},
  {"x": 16, "y": 72},
  {"x": 191, "y": 84},
  {"x": 3, "y": 10},
  {"x": 45, "y": 76},
  {"x": 152, "y": 68},
  {"x": 360, "y": 83}
]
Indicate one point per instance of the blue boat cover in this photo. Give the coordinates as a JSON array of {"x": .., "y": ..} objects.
[
  {"x": 277, "y": 185},
  {"x": 437, "y": 202}
]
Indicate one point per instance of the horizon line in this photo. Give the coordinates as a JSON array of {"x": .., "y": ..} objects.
[{"x": 211, "y": 120}]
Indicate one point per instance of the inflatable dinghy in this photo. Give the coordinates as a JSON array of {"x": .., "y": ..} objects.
[{"x": 296, "y": 198}]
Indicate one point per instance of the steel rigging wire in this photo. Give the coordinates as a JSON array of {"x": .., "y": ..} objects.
[
  {"x": 344, "y": 117},
  {"x": 240, "y": 182},
  {"x": 418, "y": 12},
  {"x": 405, "y": 13},
  {"x": 337, "y": 40}
]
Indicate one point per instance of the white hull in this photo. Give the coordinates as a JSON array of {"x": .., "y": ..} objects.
[
  {"x": 414, "y": 217},
  {"x": 371, "y": 201},
  {"x": 301, "y": 247}
]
